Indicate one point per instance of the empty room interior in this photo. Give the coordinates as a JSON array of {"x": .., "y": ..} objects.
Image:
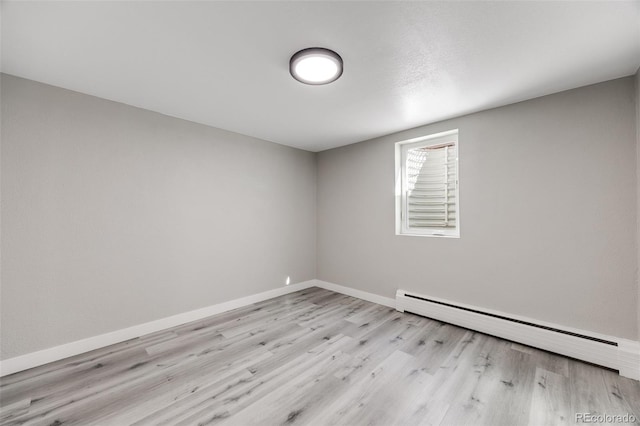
[{"x": 320, "y": 213}]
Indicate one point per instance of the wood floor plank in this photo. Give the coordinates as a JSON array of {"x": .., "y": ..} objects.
[
  {"x": 469, "y": 398},
  {"x": 53, "y": 372},
  {"x": 205, "y": 396},
  {"x": 370, "y": 315},
  {"x": 630, "y": 391},
  {"x": 273, "y": 318},
  {"x": 522, "y": 348},
  {"x": 374, "y": 395},
  {"x": 265, "y": 377},
  {"x": 262, "y": 383},
  {"x": 374, "y": 344},
  {"x": 550, "y": 400},
  {"x": 134, "y": 404},
  {"x": 588, "y": 395},
  {"x": 546, "y": 360},
  {"x": 434, "y": 345},
  {"x": 314, "y": 357},
  {"x": 10, "y": 411},
  {"x": 620, "y": 400},
  {"x": 287, "y": 404}
]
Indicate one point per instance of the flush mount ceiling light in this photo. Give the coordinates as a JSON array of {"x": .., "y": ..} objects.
[{"x": 316, "y": 65}]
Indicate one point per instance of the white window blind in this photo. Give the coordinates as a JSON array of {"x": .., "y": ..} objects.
[{"x": 430, "y": 186}]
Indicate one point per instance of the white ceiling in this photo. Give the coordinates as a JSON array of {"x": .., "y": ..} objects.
[{"x": 225, "y": 64}]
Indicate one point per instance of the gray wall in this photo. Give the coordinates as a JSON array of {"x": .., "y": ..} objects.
[
  {"x": 113, "y": 216},
  {"x": 548, "y": 213},
  {"x": 638, "y": 186}
]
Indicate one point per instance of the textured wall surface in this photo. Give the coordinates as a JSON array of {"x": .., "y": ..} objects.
[
  {"x": 113, "y": 216},
  {"x": 638, "y": 187},
  {"x": 547, "y": 210}
]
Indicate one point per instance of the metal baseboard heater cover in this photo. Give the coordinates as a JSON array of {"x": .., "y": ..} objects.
[{"x": 608, "y": 351}]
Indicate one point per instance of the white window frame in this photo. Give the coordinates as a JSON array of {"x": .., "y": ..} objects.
[{"x": 401, "y": 148}]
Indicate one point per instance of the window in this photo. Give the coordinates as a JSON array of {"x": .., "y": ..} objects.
[{"x": 427, "y": 201}]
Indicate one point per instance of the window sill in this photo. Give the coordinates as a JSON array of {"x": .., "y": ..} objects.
[{"x": 401, "y": 234}]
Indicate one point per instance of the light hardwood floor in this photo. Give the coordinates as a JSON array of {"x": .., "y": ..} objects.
[{"x": 315, "y": 357}]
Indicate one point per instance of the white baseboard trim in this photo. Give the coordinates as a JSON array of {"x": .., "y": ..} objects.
[
  {"x": 621, "y": 354},
  {"x": 629, "y": 358},
  {"x": 56, "y": 353},
  {"x": 625, "y": 357},
  {"x": 359, "y": 294}
]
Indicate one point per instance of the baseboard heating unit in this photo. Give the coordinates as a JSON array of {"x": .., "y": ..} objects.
[{"x": 608, "y": 351}]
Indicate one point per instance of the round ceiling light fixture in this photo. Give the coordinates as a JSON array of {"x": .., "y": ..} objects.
[{"x": 316, "y": 66}]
